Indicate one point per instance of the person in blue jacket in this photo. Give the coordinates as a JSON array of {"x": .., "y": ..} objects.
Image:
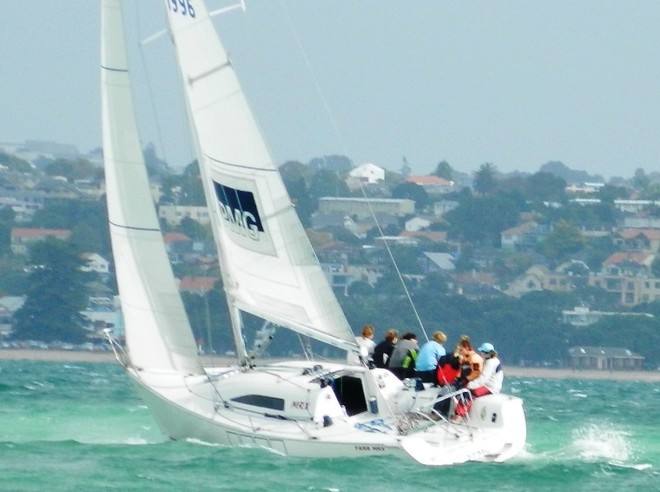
[{"x": 427, "y": 361}]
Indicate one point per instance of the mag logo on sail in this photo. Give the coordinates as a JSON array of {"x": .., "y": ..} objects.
[{"x": 239, "y": 209}]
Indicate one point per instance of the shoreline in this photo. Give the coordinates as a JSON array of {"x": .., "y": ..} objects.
[{"x": 515, "y": 371}]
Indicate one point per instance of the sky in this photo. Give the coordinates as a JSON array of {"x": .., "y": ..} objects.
[{"x": 512, "y": 83}]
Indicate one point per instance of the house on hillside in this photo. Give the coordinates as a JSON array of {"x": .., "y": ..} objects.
[
  {"x": 433, "y": 185},
  {"x": 198, "y": 285},
  {"x": 539, "y": 278},
  {"x": 174, "y": 214},
  {"x": 433, "y": 236},
  {"x": 22, "y": 237},
  {"x": 630, "y": 290},
  {"x": 628, "y": 263},
  {"x": 94, "y": 262},
  {"x": 366, "y": 207},
  {"x": 443, "y": 206},
  {"x": 177, "y": 245},
  {"x": 605, "y": 359},
  {"x": 364, "y": 174},
  {"x": 581, "y": 316},
  {"x": 417, "y": 224},
  {"x": 24, "y": 203},
  {"x": 103, "y": 312},
  {"x": 438, "y": 262},
  {"x": 8, "y": 306},
  {"x": 638, "y": 240},
  {"x": 524, "y": 236}
]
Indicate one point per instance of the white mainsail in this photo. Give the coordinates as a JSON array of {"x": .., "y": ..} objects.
[
  {"x": 158, "y": 335},
  {"x": 269, "y": 266}
]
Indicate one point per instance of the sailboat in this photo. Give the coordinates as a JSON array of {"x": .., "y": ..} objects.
[{"x": 269, "y": 270}]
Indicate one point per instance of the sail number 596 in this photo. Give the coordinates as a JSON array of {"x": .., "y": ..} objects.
[{"x": 183, "y": 6}]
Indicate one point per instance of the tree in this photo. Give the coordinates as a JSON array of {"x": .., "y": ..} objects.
[
  {"x": 640, "y": 181},
  {"x": 7, "y": 218},
  {"x": 546, "y": 187},
  {"x": 56, "y": 294},
  {"x": 16, "y": 164},
  {"x": 609, "y": 193},
  {"x": 194, "y": 230},
  {"x": 481, "y": 220},
  {"x": 485, "y": 179},
  {"x": 655, "y": 267},
  {"x": 443, "y": 170},
  {"x": 414, "y": 192},
  {"x": 81, "y": 217},
  {"x": 183, "y": 189},
  {"x": 70, "y": 169},
  {"x": 326, "y": 183},
  {"x": 335, "y": 163},
  {"x": 294, "y": 174},
  {"x": 294, "y": 170},
  {"x": 564, "y": 240}
]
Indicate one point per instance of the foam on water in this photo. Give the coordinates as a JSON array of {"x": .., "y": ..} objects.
[{"x": 596, "y": 442}]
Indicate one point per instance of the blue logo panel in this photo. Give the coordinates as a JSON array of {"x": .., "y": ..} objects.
[{"x": 239, "y": 209}]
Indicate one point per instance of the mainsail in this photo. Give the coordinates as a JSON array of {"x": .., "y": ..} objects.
[
  {"x": 269, "y": 267},
  {"x": 158, "y": 335}
]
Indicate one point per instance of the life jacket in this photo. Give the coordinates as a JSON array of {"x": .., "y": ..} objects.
[
  {"x": 409, "y": 360},
  {"x": 448, "y": 369}
]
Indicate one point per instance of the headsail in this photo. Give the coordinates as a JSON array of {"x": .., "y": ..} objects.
[
  {"x": 269, "y": 266},
  {"x": 158, "y": 335}
]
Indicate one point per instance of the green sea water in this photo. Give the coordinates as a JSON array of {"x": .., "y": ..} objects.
[{"x": 70, "y": 427}]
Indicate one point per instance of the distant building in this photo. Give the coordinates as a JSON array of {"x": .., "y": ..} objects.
[
  {"x": 583, "y": 316},
  {"x": 638, "y": 240},
  {"x": 538, "y": 278},
  {"x": 198, "y": 285},
  {"x": 438, "y": 262},
  {"x": 103, "y": 313},
  {"x": 584, "y": 188},
  {"x": 8, "y": 306},
  {"x": 367, "y": 173},
  {"x": 364, "y": 207},
  {"x": 95, "y": 263},
  {"x": 177, "y": 244},
  {"x": 633, "y": 206},
  {"x": 628, "y": 263},
  {"x": 433, "y": 185},
  {"x": 417, "y": 224},
  {"x": 443, "y": 206},
  {"x": 631, "y": 290},
  {"x": 174, "y": 214},
  {"x": 605, "y": 358},
  {"x": 523, "y": 236},
  {"x": 21, "y": 238}
]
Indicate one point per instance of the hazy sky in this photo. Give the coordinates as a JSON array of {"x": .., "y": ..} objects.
[{"x": 514, "y": 83}]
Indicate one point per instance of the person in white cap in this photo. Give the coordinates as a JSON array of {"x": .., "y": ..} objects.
[{"x": 491, "y": 377}]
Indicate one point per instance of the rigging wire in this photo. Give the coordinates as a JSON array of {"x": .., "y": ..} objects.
[
  {"x": 150, "y": 91},
  {"x": 343, "y": 145}
]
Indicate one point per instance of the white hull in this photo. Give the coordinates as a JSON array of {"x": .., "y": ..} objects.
[{"x": 190, "y": 408}]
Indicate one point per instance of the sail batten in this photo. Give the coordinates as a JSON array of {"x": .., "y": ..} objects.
[{"x": 268, "y": 265}]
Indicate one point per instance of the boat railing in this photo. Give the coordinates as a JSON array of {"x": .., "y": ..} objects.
[{"x": 438, "y": 411}]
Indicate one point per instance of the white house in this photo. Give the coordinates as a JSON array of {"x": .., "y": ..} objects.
[
  {"x": 367, "y": 173},
  {"x": 95, "y": 263},
  {"x": 417, "y": 224}
]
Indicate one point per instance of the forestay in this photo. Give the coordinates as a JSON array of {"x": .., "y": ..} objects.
[{"x": 269, "y": 267}]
